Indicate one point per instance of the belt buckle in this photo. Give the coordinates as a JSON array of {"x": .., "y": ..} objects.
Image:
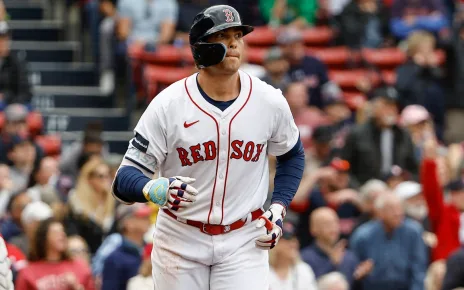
[{"x": 212, "y": 230}]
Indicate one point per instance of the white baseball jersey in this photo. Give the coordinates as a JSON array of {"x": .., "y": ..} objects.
[{"x": 182, "y": 134}]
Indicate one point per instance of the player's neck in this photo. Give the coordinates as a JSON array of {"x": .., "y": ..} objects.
[{"x": 220, "y": 87}]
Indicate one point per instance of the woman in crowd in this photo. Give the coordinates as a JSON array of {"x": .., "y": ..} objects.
[
  {"x": 78, "y": 249},
  {"x": 91, "y": 204},
  {"x": 287, "y": 271},
  {"x": 50, "y": 266},
  {"x": 144, "y": 280}
]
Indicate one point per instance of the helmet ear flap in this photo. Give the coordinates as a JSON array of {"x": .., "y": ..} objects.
[{"x": 208, "y": 54}]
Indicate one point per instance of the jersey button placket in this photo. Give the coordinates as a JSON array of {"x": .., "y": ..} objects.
[{"x": 222, "y": 169}]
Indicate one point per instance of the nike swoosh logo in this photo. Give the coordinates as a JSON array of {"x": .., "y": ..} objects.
[{"x": 190, "y": 124}]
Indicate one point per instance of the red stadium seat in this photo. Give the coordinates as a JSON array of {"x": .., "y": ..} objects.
[
  {"x": 165, "y": 75},
  {"x": 256, "y": 55},
  {"x": 348, "y": 79},
  {"x": 331, "y": 56},
  {"x": 34, "y": 123},
  {"x": 318, "y": 36},
  {"x": 389, "y": 76},
  {"x": 384, "y": 57},
  {"x": 354, "y": 100},
  {"x": 2, "y": 120},
  {"x": 261, "y": 36},
  {"x": 187, "y": 56},
  {"x": 51, "y": 144},
  {"x": 164, "y": 55}
]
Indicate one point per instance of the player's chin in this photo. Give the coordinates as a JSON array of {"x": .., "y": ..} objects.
[{"x": 231, "y": 64}]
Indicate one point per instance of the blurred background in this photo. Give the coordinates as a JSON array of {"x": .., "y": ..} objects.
[{"x": 376, "y": 88}]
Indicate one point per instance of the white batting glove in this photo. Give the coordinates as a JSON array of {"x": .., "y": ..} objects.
[
  {"x": 273, "y": 220},
  {"x": 175, "y": 193}
]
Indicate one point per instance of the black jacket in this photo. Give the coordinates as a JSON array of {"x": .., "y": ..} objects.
[
  {"x": 14, "y": 80},
  {"x": 352, "y": 23},
  {"x": 362, "y": 150},
  {"x": 455, "y": 70}
]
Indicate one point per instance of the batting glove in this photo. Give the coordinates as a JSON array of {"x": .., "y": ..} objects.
[
  {"x": 174, "y": 193},
  {"x": 272, "y": 219}
]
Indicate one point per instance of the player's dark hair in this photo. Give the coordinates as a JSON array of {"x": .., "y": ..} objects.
[{"x": 38, "y": 250}]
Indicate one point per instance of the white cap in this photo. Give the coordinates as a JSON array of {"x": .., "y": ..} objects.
[
  {"x": 35, "y": 212},
  {"x": 408, "y": 189}
]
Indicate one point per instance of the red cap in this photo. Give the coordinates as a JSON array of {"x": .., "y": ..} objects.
[{"x": 340, "y": 164}]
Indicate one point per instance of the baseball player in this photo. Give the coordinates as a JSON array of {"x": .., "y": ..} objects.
[{"x": 208, "y": 136}]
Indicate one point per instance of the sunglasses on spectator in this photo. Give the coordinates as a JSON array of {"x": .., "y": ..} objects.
[{"x": 100, "y": 175}]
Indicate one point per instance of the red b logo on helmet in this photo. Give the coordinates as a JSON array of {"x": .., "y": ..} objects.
[{"x": 229, "y": 15}]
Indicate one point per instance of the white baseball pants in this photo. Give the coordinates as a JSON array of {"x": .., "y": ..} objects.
[{"x": 184, "y": 258}]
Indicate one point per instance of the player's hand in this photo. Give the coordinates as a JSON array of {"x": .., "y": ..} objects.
[
  {"x": 273, "y": 220},
  {"x": 175, "y": 192}
]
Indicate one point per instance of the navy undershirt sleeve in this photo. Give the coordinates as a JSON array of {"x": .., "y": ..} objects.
[
  {"x": 289, "y": 172},
  {"x": 129, "y": 183}
]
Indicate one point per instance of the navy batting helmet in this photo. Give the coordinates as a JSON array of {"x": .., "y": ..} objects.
[{"x": 208, "y": 22}]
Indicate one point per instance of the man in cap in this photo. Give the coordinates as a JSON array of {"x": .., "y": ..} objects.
[
  {"x": 212, "y": 163},
  {"x": 374, "y": 147},
  {"x": 305, "y": 68},
  {"x": 276, "y": 69},
  {"x": 14, "y": 78},
  {"x": 124, "y": 262}
]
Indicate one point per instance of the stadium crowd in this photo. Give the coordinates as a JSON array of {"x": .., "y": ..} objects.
[{"x": 381, "y": 203}]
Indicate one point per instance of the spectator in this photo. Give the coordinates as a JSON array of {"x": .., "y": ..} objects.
[
  {"x": 144, "y": 280},
  {"x": 17, "y": 258},
  {"x": 417, "y": 120},
  {"x": 33, "y": 214},
  {"x": 50, "y": 266},
  {"x": 92, "y": 144},
  {"x": 276, "y": 69},
  {"x": 339, "y": 116},
  {"x": 124, "y": 262},
  {"x": 395, "y": 176},
  {"x": 91, "y": 204},
  {"x": 455, "y": 78},
  {"x": 333, "y": 281},
  {"x": 110, "y": 243},
  {"x": 369, "y": 192},
  {"x": 14, "y": 77},
  {"x": 335, "y": 190},
  {"x": 11, "y": 227},
  {"x": 105, "y": 44},
  {"x": 374, "y": 147},
  {"x": 6, "y": 279},
  {"x": 15, "y": 124},
  {"x": 435, "y": 275},
  {"x": 287, "y": 272},
  {"x": 78, "y": 249},
  {"x": 328, "y": 253},
  {"x": 411, "y": 15},
  {"x": 419, "y": 79},
  {"x": 23, "y": 157},
  {"x": 306, "y": 118},
  {"x": 415, "y": 207},
  {"x": 305, "y": 68},
  {"x": 42, "y": 181},
  {"x": 363, "y": 23},
  {"x": 143, "y": 23},
  {"x": 445, "y": 218},
  {"x": 395, "y": 246},
  {"x": 6, "y": 186},
  {"x": 454, "y": 276},
  {"x": 297, "y": 13}
]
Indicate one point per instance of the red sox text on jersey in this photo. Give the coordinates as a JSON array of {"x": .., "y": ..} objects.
[{"x": 248, "y": 151}]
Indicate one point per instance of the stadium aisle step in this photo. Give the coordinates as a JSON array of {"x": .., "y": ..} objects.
[
  {"x": 50, "y": 97},
  {"x": 63, "y": 74},
  {"x": 75, "y": 119},
  {"x": 22, "y": 10},
  {"x": 48, "y": 51},
  {"x": 36, "y": 30},
  {"x": 117, "y": 141}
]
